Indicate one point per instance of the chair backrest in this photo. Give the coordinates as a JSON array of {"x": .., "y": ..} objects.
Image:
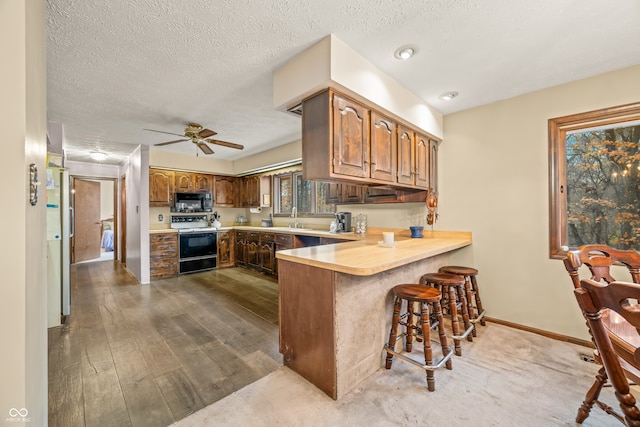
[
  {"x": 622, "y": 360},
  {"x": 620, "y": 297},
  {"x": 599, "y": 259}
]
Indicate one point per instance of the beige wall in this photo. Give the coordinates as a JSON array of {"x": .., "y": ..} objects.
[
  {"x": 23, "y": 294},
  {"x": 494, "y": 182}
]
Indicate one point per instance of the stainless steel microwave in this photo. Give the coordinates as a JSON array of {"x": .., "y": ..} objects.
[{"x": 192, "y": 202}]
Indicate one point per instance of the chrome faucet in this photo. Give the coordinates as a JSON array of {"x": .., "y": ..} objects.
[{"x": 294, "y": 215}]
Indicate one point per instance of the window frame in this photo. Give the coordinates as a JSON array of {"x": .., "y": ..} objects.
[{"x": 558, "y": 128}]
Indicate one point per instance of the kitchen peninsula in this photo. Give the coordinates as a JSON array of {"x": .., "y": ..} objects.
[{"x": 335, "y": 302}]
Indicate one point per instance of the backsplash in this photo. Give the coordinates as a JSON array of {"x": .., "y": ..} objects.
[{"x": 392, "y": 215}]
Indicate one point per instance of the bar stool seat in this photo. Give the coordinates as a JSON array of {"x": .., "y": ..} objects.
[
  {"x": 476, "y": 312},
  {"x": 425, "y": 298},
  {"x": 452, "y": 288}
]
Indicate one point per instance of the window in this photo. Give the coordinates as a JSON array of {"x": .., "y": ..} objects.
[
  {"x": 595, "y": 179},
  {"x": 309, "y": 197}
]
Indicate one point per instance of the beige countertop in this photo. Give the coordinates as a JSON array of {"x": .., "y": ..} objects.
[
  {"x": 366, "y": 257},
  {"x": 162, "y": 228}
]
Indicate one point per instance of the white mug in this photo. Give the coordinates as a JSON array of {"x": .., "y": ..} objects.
[{"x": 387, "y": 238}]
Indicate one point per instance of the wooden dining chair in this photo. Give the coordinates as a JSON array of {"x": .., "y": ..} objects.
[
  {"x": 599, "y": 259},
  {"x": 618, "y": 354}
]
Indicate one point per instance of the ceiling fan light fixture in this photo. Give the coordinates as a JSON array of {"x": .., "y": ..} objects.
[
  {"x": 98, "y": 155},
  {"x": 404, "y": 53},
  {"x": 448, "y": 96}
]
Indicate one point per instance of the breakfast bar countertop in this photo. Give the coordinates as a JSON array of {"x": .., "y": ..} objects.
[{"x": 367, "y": 257}]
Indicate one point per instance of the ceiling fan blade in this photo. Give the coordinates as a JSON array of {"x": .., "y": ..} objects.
[
  {"x": 205, "y": 148},
  {"x": 161, "y": 131},
  {"x": 206, "y": 133},
  {"x": 170, "y": 142},
  {"x": 226, "y": 144}
]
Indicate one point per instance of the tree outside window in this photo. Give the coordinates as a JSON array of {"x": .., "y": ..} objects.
[{"x": 595, "y": 179}]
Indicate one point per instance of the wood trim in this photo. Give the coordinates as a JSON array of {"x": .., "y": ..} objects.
[
  {"x": 552, "y": 335},
  {"x": 557, "y": 166}
]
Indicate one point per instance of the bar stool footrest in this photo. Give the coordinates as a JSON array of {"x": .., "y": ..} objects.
[
  {"x": 479, "y": 318},
  {"x": 419, "y": 364},
  {"x": 464, "y": 335}
]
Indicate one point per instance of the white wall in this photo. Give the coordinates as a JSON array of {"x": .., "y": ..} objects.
[
  {"x": 23, "y": 294},
  {"x": 330, "y": 62},
  {"x": 94, "y": 170},
  {"x": 494, "y": 182},
  {"x": 137, "y": 180}
]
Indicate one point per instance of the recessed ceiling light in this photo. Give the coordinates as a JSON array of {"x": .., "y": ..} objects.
[
  {"x": 98, "y": 155},
  {"x": 404, "y": 52},
  {"x": 448, "y": 96}
]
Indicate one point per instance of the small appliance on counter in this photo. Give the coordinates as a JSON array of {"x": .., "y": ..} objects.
[
  {"x": 343, "y": 222},
  {"x": 267, "y": 222},
  {"x": 215, "y": 220}
]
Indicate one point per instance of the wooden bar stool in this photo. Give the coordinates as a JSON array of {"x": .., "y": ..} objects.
[
  {"x": 424, "y": 298},
  {"x": 452, "y": 288},
  {"x": 476, "y": 312}
]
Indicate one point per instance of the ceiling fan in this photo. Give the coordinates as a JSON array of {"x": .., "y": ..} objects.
[{"x": 198, "y": 135}]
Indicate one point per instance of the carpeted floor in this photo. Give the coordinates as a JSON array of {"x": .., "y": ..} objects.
[{"x": 506, "y": 377}]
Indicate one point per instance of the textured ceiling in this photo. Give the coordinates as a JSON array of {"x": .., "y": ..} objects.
[{"x": 115, "y": 68}]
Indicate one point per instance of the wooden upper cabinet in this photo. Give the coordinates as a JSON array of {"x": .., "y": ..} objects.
[
  {"x": 413, "y": 158},
  {"x": 249, "y": 192},
  {"x": 433, "y": 166},
  {"x": 422, "y": 162},
  {"x": 184, "y": 182},
  {"x": 340, "y": 193},
  {"x": 253, "y": 190},
  {"x": 202, "y": 183},
  {"x": 384, "y": 147},
  {"x": 161, "y": 187},
  {"x": 189, "y": 182},
  {"x": 406, "y": 156},
  {"x": 350, "y": 138},
  {"x": 224, "y": 189},
  {"x": 351, "y": 141}
]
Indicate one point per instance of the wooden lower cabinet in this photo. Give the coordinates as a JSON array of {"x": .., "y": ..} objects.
[
  {"x": 163, "y": 248},
  {"x": 241, "y": 248},
  {"x": 257, "y": 250},
  {"x": 225, "y": 249},
  {"x": 253, "y": 256},
  {"x": 267, "y": 253}
]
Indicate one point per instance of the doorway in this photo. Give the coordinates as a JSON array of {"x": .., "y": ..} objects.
[{"x": 94, "y": 223}]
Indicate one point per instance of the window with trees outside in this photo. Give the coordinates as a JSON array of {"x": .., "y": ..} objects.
[
  {"x": 595, "y": 179},
  {"x": 308, "y": 197}
]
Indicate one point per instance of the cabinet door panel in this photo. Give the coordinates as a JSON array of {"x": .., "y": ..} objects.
[
  {"x": 160, "y": 187},
  {"x": 433, "y": 166},
  {"x": 406, "y": 156},
  {"x": 350, "y": 138},
  {"x": 184, "y": 182},
  {"x": 202, "y": 183},
  {"x": 352, "y": 193},
  {"x": 384, "y": 148},
  {"x": 223, "y": 191},
  {"x": 422, "y": 162}
]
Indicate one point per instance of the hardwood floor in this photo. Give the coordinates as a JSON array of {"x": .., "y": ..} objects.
[{"x": 148, "y": 355}]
